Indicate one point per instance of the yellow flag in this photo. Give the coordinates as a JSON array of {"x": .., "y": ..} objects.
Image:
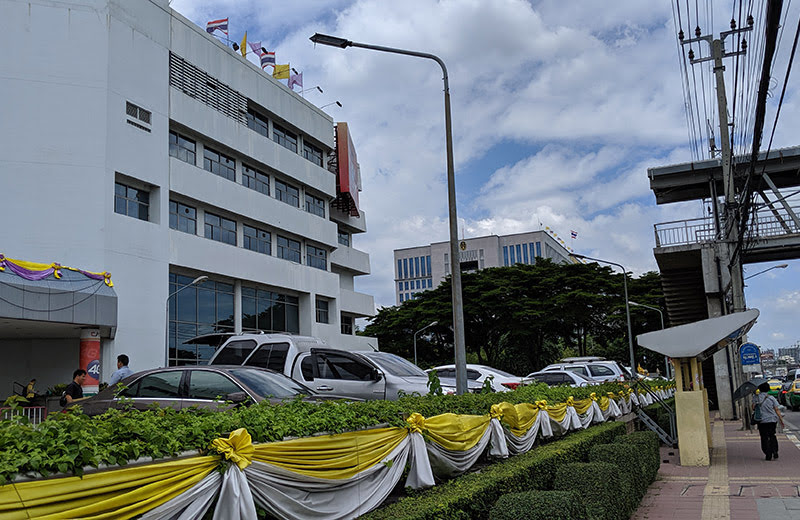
[
  {"x": 243, "y": 46},
  {"x": 281, "y": 72}
]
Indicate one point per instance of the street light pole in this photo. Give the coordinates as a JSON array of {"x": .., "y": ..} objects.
[
  {"x": 781, "y": 266},
  {"x": 431, "y": 324},
  {"x": 661, "y": 314},
  {"x": 199, "y": 279},
  {"x": 627, "y": 307},
  {"x": 455, "y": 261}
]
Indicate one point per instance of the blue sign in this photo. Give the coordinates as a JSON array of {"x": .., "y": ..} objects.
[{"x": 750, "y": 354}]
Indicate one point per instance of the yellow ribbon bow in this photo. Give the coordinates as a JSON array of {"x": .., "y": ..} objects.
[
  {"x": 416, "y": 422},
  {"x": 237, "y": 448},
  {"x": 107, "y": 279},
  {"x": 611, "y": 395},
  {"x": 593, "y": 396},
  {"x": 541, "y": 404},
  {"x": 570, "y": 401},
  {"x": 495, "y": 412}
]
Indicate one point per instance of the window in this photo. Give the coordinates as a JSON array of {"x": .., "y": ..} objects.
[
  {"x": 399, "y": 268},
  {"x": 255, "y": 180},
  {"x": 269, "y": 311},
  {"x": 317, "y": 257},
  {"x": 287, "y": 193},
  {"x": 235, "y": 352},
  {"x": 423, "y": 266},
  {"x": 344, "y": 238},
  {"x": 505, "y": 256},
  {"x": 220, "y": 229},
  {"x": 288, "y": 249},
  {"x": 405, "y": 267},
  {"x": 428, "y": 263},
  {"x": 347, "y": 324},
  {"x": 284, "y": 138},
  {"x": 132, "y": 202},
  {"x": 315, "y": 205},
  {"x": 525, "y": 252},
  {"x": 402, "y": 297},
  {"x": 257, "y": 240},
  {"x": 219, "y": 164},
  {"x": 312, "y": 153},
  {"x": 182, "y": 148},
  {"x": 416, "y": 266},
  {"x": 270, "y": 355},
  {"x": 322, "y": 311},
  {"x": 579, "y": 369},
  {"x": 182, "y": 217},
  {"x": 519, "y": 254},
  {"x": 161, "y": 384},
  {"x": 511, "y": 259},
  {"x": 399, "y": 286},
  {"x": 140, "y": 114},
  {"x": 600, "y": 370},
  {"x": 257, "y": 122},
  {"x": 204, "y": 384},
  {"x": 338, "y": 366}
]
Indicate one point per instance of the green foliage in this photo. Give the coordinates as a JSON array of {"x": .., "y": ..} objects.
[
  {"x": 600, "y": 486},
  {"x": 523, "y": 317},
  {"x": 434, "y": 384},
  {"x": 627, "y": 458},
  {"x": 647, "y": 444},
  {"x": 67, "y": 442},
  {"x": 539, "y": 505},
  {"x": 473, "y": 495},
  {"x": 487, "y": 387}
]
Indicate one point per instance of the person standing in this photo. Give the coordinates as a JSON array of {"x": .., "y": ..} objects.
[
  {"x": 75, "y": 388},
  {"x": 122, "y": 370},
  {"x": 770, "y": 416}
]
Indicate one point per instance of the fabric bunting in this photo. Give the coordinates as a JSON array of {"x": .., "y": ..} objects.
[
  {"x": 256, "y": 48},
  {"x": 267, "y": 58},
  {"x": 324, "y": 477},
  {"x": 34, "y": 271},
  {"x": 218, "y": 25},
  {"x": 281, "y": 71},
  {"x": 296, "y": 79}
]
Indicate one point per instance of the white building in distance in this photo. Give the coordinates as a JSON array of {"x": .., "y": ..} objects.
[
  {"x": 422, "y": 268},
  {"x": 134, "y": 142}
]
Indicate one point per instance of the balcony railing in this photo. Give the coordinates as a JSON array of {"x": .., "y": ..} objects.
[{"x": 35, "y": 414}]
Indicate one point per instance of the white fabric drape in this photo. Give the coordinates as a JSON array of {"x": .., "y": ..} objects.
[
  {"x": 235, "y": 499},
  {"x": 593, "y": 415},
  {"x": 420, "y": 474},
  {"x": 191, "y": 504},
  {"x": 612, "y": 410},
  {"x": 541, "y": 426},
  {"x": 571, "y": 421}
]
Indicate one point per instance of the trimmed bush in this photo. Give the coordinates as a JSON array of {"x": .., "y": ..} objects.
[
  {"x": 473, "y": 495},
  {"x": 649, "y": 448},
  {"x": 539, "y": 505},
  {"x": 627, "y": 458},
  {"x": 599, "y": 486}
]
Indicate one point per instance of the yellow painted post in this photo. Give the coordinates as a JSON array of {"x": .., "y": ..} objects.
[{"x": 691, "y": 406}]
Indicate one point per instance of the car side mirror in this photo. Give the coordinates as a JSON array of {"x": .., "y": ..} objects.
[
  {"x": 237, "y": 397},
  {"x": 376, "y": 375}
]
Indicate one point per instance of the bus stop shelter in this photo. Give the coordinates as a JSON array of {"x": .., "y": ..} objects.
[{"x": 688, "y": 346}]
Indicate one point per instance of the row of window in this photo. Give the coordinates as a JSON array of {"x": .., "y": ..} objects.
[
  {"x": 414, "y": 267},
  {"x": 420, "y": 284},
  {"x": 260, "y": 123},
  {"x": 185, "y": 149},
  {"x": 183, "y": 217},
  {"x": 407, "y": 296},
  {"x": 521, "y": 253}
]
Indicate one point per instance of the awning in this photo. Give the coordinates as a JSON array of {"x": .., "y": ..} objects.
[{"x": 700, "y": 339}]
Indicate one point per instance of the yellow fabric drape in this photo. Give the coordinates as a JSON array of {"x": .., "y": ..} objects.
[
  {"x": 456, "y": 432},
  {"x": 557, "y": 412},
  {"x": 237, "y": 448},
  {"x": 332, "y": 456},
  {"x": 117, "y": 494},
  {"x": 603, "y": 403},
  {"x": 520, "y": 417}
]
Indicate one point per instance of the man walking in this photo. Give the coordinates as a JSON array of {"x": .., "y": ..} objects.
[
  {"x": 75, "y": 388},
  {"x": 122, "y": 370}
]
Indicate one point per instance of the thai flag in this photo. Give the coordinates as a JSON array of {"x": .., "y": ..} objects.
[
  {"x": 573, "y": 233},
  {"x": 222, "y": 25},
  {"x": 267, "y": 58}
]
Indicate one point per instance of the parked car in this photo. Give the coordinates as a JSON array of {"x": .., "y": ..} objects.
[
  {"x": 597, "y": 368},
  {"x": 360, "y": 374},
  {"x": 559, "y": 377},
  {"x": 501, "y": 381},
  {"x": 203, "y": 386},
  {"x": 793, "y": 396}
]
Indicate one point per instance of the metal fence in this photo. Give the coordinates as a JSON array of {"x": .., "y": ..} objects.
[{"x": 35, "y": 414}]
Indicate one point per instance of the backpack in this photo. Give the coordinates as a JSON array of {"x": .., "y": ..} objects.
[
  {"x": 63, "y": 401},
  {"x": 757, "y": 413}
]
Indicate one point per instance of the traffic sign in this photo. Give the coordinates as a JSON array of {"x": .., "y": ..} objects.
[{"x": 750, "y": 354}]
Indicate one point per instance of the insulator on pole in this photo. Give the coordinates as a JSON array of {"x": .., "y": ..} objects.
[
  {"x": 733, "y": 23},
  {"x": 697, "y": 31},
  {"x": 691, "y": 54},
  {"x": 680, "y": 35}
]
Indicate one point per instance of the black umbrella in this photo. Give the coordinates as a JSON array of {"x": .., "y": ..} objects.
[{"x": 748, "y": 387}]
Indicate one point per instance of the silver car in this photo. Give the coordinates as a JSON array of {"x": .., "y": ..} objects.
[{"x": 559, "y": 377}]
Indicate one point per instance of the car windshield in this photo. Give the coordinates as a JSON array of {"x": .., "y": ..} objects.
[
  {"x": 267, "y": 384},
  {"x": 395, "y": 365},
  {"x": 500, "y": 372}
]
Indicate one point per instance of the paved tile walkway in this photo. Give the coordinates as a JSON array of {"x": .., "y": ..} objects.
[{"x": 739, "y": 484}]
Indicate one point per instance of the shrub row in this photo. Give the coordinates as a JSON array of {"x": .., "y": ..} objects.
[{"x": 473, "y": 495}]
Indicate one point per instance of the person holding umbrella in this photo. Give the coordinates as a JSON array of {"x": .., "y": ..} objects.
[{"x": 770, "y": 415}]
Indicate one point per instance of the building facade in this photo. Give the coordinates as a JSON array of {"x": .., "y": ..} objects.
[
  {"x": 422, "y": 268},
  {"x": 150, "y": 150}
]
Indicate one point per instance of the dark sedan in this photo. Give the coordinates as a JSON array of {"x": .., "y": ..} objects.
[{"x": 203, "y": 386}]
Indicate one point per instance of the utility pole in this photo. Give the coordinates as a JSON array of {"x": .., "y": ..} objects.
[{"x": 730, "y": 230}]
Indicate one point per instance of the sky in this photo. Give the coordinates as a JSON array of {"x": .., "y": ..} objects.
[{"x": 558, "y": 108}]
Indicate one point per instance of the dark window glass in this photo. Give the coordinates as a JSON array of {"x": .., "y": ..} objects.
[
  {"x": 182, "y": 217},
  {"x": 257, "y": 240},
  {"x": 600, "y": 370},
  {"x": 315, "y": 205},
  {"x": 347, "y": 324},
  {"x": 288, "y": 249},
  {"x": 219, "y": 164},
  {"x": 235, "y": 352},
  {"x": 182, "y": 148},
  {"x": 312, "y": 153},
  {"x": 163, "y": 384},
  {"x": 473, "y": 375},
  {"x": 269, "y": 311},
  {"x": 131, "y": 201},
  {"x": 322, "y": 311},
  {"x": 284, "y": 138},
  {"x": 317, "y": 257},
  {"x": 257, "y": 122},
  {"x": 277, "y": 358},
  {"x": 255, "y": 180},
  {"x": 220, "y": 229},
  {"x": 344, "y": 238},
  {"x": 204, "y": 384},
  {"x": 347, "y": 368},
  {"x": 287, "y": 193},
  {"x": 307, "y": 368}
]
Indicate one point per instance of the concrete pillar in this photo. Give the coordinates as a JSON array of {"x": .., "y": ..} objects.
[
  {"x": 90, "y": 360},
  {"x": 713, "y": 277},
  {"x": 692, "y": 417}
]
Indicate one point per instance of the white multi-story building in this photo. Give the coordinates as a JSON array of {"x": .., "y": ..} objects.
[
  {"x": 422, "y": 268},
  {"x": 133, "y": 142}
]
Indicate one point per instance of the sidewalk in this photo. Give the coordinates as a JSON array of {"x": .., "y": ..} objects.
[{"x": 739, "y": 484}]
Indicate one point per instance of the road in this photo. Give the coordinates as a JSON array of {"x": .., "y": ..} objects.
[{"x": 792, "y": 421}]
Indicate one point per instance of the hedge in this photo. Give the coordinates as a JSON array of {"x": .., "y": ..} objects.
[
  {"x": 539, "y": 505},
  {"x": 649, "y": 445},
  {"x": 627, "y": 458},
  {"x": 600, "y": 486},
  {"x": 473, "y": 495}
]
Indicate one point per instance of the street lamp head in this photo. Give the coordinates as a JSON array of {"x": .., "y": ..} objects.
[
  {"x": 199, "y": 279},
  {"x": 634, "y": 304},
  {"x": 333, "y": 41},
  {"x": 433, "y": 323},
  {"x": 332, "y": 103},
  {"x": 782, "y": 266}
]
